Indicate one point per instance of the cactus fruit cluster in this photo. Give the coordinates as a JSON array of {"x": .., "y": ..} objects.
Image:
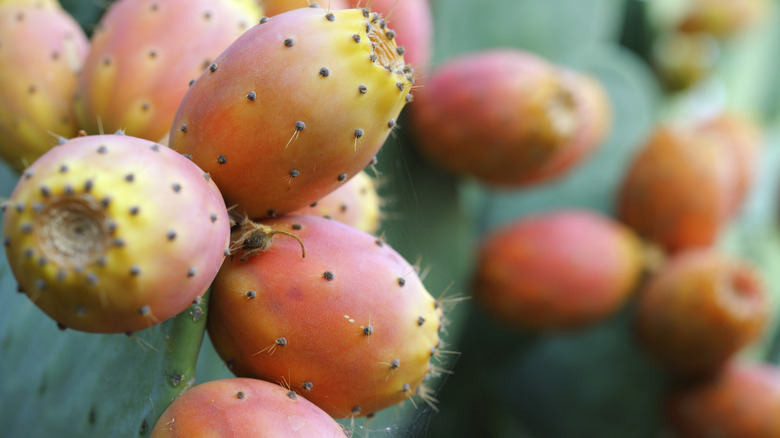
[{"x": 243, "y": 218}]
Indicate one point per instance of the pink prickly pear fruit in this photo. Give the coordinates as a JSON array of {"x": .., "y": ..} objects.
[
  {"x": 500, "y": 116},
  {"x": 244, "y": 408},
  {"x": 557, "y": 270},
  {"x": 699, "y": 309},
  {"x": 350, "y": 325},
  {"x": 741, "y": 401},
  {"x": 144, "y": 53},
  {"x": 41, "y": 53},
  {"x": 356, "y": 204},
  {"x": 112, "y": 233},
  {"x": 276, "y": 7},
  {"x": 413, "y": 21},
  {"x": 294, "y": 108},
  {"x": 680, "y": 189}
]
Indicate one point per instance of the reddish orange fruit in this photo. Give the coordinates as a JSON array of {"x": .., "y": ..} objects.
[
  {"x": 557, "y": 270},
  {"x": 741, "y": 402},
  {"x": 699, "y": 309}
]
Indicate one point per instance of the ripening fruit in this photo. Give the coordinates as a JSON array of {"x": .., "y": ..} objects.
[
  {"x": 740, "y": 402},
  {"x": 276, "y": 7},
  {"x": 145, "y": 52},
  {"x": 557, "y": 270},
  {"x": 42, "y": 49},
  {"x": 699, "y": 309},
  {"x": 244, "y": 408},
  {"x": 350, "y": 326},
  {"x": 680, "y": 190},
  {"x": 508, "y": 117},
  {"x": 111, "y": 233},
  {"x": 294, "y": 108}
]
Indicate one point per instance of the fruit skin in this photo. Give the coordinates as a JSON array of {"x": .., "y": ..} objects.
[
  {"x": 282, "y": 121},
  {"x": 350, "y": 326},
  {"x": 356, "y": 204},
  {"x": 43, "y": 49},
  {"x": 500, "y": 116},
  {"x": 698, "y": 310},
  {"x": 239, "y": 408},
  {"x": 557, "y": 270},
  {"x": 113, "y": 234},
  {"x": 680, "y": 189},
  {"x": 413, "y": 21},
  {"x": 145, "y": 52},
  {"x": 741, "y": 401},
  {"x": 723, "y": 18},
  {"x": 276, "y": 7}
]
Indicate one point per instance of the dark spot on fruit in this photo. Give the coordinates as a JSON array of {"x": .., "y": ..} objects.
[
  {"x": 154, "y": 6},
  {"x": 406, "y": 388},
  {"x": 390, "y": 34},
  {"x": 313, "y": 204},
  {"x": 356, "y": 37},
  {"x": 240, "y": 395},
  {"x": 230, "y": 363},
  {"x": 330, "y": 16},
  {"x": 40, "y": 284},
  {"x": 42, "y": 261},
  {"x": 289, "y": 42},
  {"x": 401, "y": 281},
  {"x": 328, "y": 275},
  {"x": 206, "y": 176},
  {"x": 372, "y": 57},
  {"x": 368, "y": 330},
  {"x": 400, "y": 50},
  {"x": 324, "y": 72},
  {"x": 19, "y": 207},
  {"x": 307, "y": 386},
  {"x": 61, "y": 275},
  {"x": 379, "y": 243},
  {"x": 297, "y": 226},
  {"x": 409, "y": 97},
  {"x": 365, "y": 12},
  {"x": 187, "y": 156},
  {"x": 300, "y": 126},
  {"x": 106, "y": 61},
  {"x": 207, "y": 15},
  {"x": 191, "y": 272},
  {"x": 213, "y": 217},
  {"x": 294, "y": 173},
  {"x": 400, "y": 85},
  {"x": 358, "y": 133},
  {"x": 391, "y": 124},
  {"x": 88, "y": 185},
  {"x": 152, "y": 54},
  {"x": 192, "y": 81},
  {"x": 251, "y": 96},
  {"x": 69, "y": 189},
  {"x": 144, "y": 310},
  {"x": 111, "y": 226},
  {"x": 155, "y": 147},
  {"x": 395, "y": 364},
  {"x": 171, "y": 234},
  {"x": 420, "y": 321},
  {"x": 29, "y": 174},
  {"x": 29, "y": 253},
  {"x": 221, "y": 159},
  {"x": 176, "y": 187},
  {"x": 213, "y": 67},
  {"x": 281, "y": 342},
  {"x": 327, "y": 216},
  {"x": 344, "y": 208},
  {"x": 26, "y": 228},
  {"x": 373, "y": 161},
  {"x": 368, "y": 28},
  {"x": 134, "y": 210},
  {"x": 356, "y": 410},
  {"x": 263, "y": 20},
  {"x": 292, "y": 395},
  {"x": 80, "y": 310},
  {"x": 197, "y": 300},
  {"x": 45, "y": 191},
  {"x": 105, "y": 202},
  {"x": 251, "y": 294},
  {"x": 64, "y": 168},
  {"x": 343, "y": 177},
  {"x": 183, "y": 127},
  {"x": 135, "y": 270},
  {"x": 119, "y": 242},
  {"x": 271, "y": 213},
  {"x": 362, "y": 89}
]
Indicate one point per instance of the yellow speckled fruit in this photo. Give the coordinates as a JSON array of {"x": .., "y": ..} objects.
[
  {"x": 112, "y": 233},
  {"x": 41, "y": 52}
]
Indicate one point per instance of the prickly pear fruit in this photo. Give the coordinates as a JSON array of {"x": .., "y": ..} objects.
[
  {"x": 276, "y": 7},
  {"x": 500, "y": 116},
  {"x": 557, "y": 270},
  {"x": 741, "y": 401},
  {"x": 144, "y": 53},
  {"x": 350, "y": 326},
  {"x": 112, "y": 233},
  {"x": 294, "y": 108},
  {"x": 244, "y": 408},
  {"x": 699, "y": 309},
  {"x": 413, "y": 21},
  {"x": 680, "y": 189},
  {"x": 41, "y": 53},
  {"x": 356, "y": 204}
]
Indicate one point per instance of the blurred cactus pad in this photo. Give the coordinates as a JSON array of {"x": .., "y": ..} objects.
[{"x": 591, "y": 382}]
